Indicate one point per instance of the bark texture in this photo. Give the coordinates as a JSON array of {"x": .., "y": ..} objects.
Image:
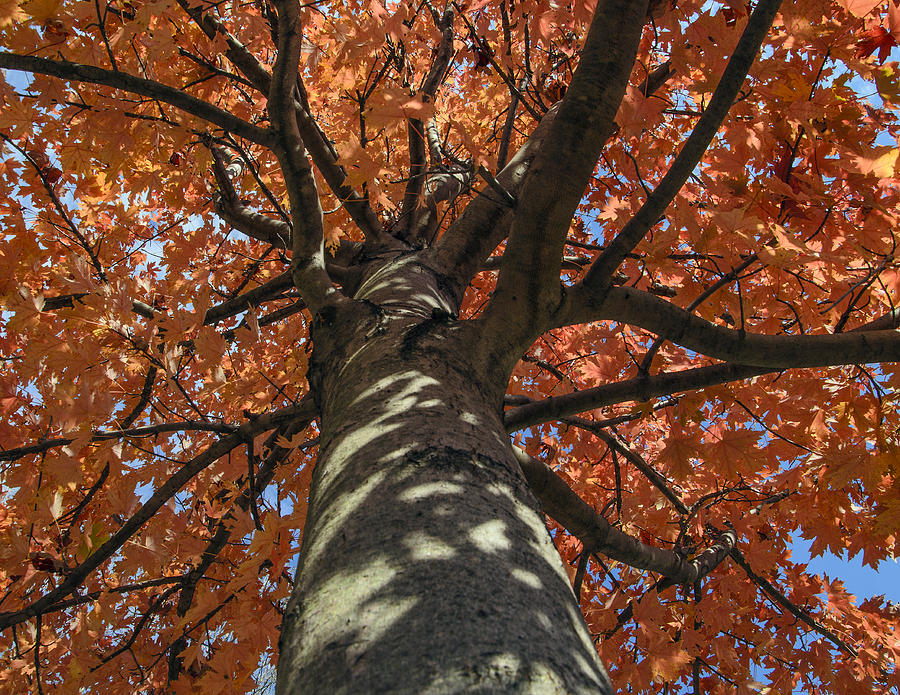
[{"x": 426, "y": 566}]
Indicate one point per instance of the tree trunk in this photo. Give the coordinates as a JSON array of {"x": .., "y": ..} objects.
[{"x": 425, "y": 565}]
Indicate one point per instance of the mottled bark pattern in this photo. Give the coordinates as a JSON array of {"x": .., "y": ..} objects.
[{"x": 425, "y": 566}]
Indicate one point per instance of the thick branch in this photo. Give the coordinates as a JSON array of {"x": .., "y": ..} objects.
[
  {"x": 644, "y": 388},
  {"x": 656, "y": 78},
  {"x": 230, "y": 208},
  {"x": 599, "y": 276},
  {"x": 509, "y": 123},
  {"x": 888, "y": 321},
  {"x": 561, "y": 503},
  {"x": 76, "y": 72},
  {"x": 102, "y": 435},
  {"x": 415, "y": 184},
  {"x": 493, "y": 263},
  {"x": 308, "y": 261},
  {"x": 639, "y": 389},
  {"x": 77, "y": 575},
  {"x": 255, "y": 225},
  {"x": 435, "y": 153},
  {"x": 486, "y": 220},
  {"x": 443, "y": 184},
  {"x": 484, "y": 223},
  {"x": 236, "y": 52},
  {"x": 326, "y": 161},
  {"x": 272, "y": 288},
  {"x": 528, "y": 288},
  {"x": 639, "y": 308},
  {"x": 317, "y": 145}
]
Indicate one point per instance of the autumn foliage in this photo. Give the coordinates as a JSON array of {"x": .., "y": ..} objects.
[{"x": 157, "y": 435}]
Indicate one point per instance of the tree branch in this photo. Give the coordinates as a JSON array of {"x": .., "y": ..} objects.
[
  {"x": 418, "y": 168},
  {"x": 599, "y": 276},
  {"x": 639, "y": 389},
  {"x": 484, "y": 223},
  {"x": 103, "y": 435},
  {"x": 92, "y": 596},
  {"x": 316, "y": 143},
  {"x": 77, "y": 72},
  {"x": 268, "y": 290},
  {"x": 716, "y": 554},
  {"x": 308, "y": 261},
  {"x": 225, "y": 525},
  {"x": 767, "y": 354},
  {"x": 886, "y": 322},
  {"x": 305, "y": 408},
  {"x": 773, "y": 593},
  {"x": 61, "y": 211},
  {"x": 67, "y": 301},
  {"x": 444, "y": 183},
  {"x": 639, "y": 308},
  {"x": 656, "y": 78},
  {"x": 509, "y": 123},
  {"x": 153, "y": 609},
  {"x": 142, "y": 402},
  {"x": 236, "y": 52},
  {"x": 528, "y": 288},
  {"x": 254, "y": 225},
  {"x": 230, "y": 208},
  {"x": 561, "y": 503},
  {"x": 326, "y": 161},
  {"x": 616, "y": 444}
]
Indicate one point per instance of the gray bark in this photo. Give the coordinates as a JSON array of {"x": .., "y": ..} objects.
[{"x": 425, "y": 565}]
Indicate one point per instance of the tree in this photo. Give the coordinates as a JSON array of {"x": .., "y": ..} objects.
[{"x": 372, "y": 287}]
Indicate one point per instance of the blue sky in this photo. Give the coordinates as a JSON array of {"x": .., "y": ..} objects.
[{"x": 860, "y": 580}]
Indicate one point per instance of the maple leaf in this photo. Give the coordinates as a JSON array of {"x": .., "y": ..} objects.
[
  {"x": 875, "y": 39},
  {"x": 886, "y": 79},
  {"x": 10, "y": 11},
  {"x": 42, "y": 10},
  {"x": 881, "y": 164},
  {"x": 733, "y": 452},
  {"x": 396, "y": 105},
  {"x": 362, "y": 166},
  {"x": 679, "y": 452},
  {"x": 894, "y": 19},
  {"x": 293, "y": 442},
  {"x": 859, "y": 8},
  {"x": 667, "y": 664}
]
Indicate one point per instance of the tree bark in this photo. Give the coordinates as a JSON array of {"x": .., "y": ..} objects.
[{"x": 425, "y": 564}]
